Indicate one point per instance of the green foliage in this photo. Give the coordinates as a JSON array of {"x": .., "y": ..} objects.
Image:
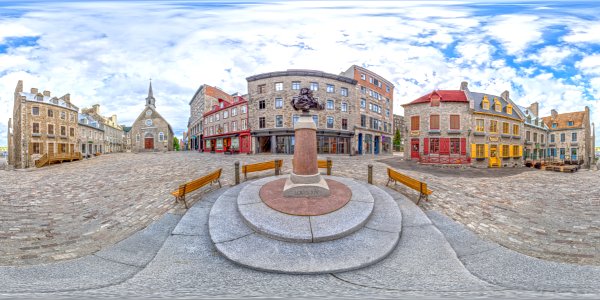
[
  {"x": 176, "y": 144},
  {"x": 397, "y": 137}
]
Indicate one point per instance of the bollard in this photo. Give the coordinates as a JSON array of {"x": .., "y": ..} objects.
[
  {"x": 278, "y": 165},
  {"x": 329, "y": 164},
  {"x": 370, "y": 174},
  {"x": 237, "y": 172}
]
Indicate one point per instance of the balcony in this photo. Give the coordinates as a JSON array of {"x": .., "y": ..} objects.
[
  {"x": 51, "y": 135},
  {"x": 36, "y": 134},
  {"x": 506, "y": 136},
  {"x": 453, "y": 131},
  {"x": 479, "y": 133},
  {"x": 516, "y": 137}
]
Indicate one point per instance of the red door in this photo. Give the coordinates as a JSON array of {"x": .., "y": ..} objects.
[
  {"x": 414, "y": 148},
  {"x": 244, "y": 147},
  {"x": 149, "y": 143}
]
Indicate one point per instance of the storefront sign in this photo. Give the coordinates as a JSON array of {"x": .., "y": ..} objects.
[
  {"x": 415, "y": 133},
  {"x": 494, "y": 138}
]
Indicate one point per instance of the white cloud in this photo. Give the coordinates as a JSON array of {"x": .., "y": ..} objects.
[
  {"x": 589, "y": 64},
  {"x": 516, "y": 32},
  {"x": 584, "y": 33},
  {"x": 105, "y": 52},
  {"x": 551, "y": 55}
]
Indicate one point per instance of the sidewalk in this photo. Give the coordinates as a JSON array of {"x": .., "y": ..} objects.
[{"x": 174, "y": 257}]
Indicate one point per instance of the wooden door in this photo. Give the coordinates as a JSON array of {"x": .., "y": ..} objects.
[
  {"x": 414, "y": 148},
  {"x": 494, "y": 156},
  {"x": 149, "y": 143}
]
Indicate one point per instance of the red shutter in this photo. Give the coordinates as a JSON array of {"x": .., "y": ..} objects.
[
  {"x": 463, "y": 146},
  {"x": 426, "y": 146},
  {"x": 444, "y": 146}
]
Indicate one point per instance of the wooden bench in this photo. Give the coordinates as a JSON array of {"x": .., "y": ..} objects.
[
  {"x": 195, "y": 184},
  {"x": 325, "y": 164},
  {"x": 262, "y": 166},
  {"x": 412, "y": 183}
]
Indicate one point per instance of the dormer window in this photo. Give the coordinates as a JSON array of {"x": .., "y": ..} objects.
[
  {"x": 554, "y": 125},
  {"x": 509, "y": 109},
  {"x": 485, "y": 103},
  {"x": 497, "y": 105},
  {"x": 570, "y": 123},
  {"x": 221, "y": 105},
  {"x": 435, "y": 100}
]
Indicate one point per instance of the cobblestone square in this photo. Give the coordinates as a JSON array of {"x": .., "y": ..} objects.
[{"x": 66, "y": 211}]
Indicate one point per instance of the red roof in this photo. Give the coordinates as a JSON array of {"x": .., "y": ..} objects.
[{"x": 445, "y": 96}]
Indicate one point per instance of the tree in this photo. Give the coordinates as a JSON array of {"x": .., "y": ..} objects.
[
  {"x": 397, "y": 138},
  {"x": 175, "y": 144}
]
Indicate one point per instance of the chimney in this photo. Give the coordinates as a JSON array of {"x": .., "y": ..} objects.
[
  {"x": 66, "y": 98},
  {"x": 96, "y": 108},
  {"x": 534, "y": 108},
  {"x": 113, "y": 118},
  {"x": 47, "y": 93},
  {"x": 554, "y": 113},
  {"x": 464, "y": 86},
  {"x": 19, "y": 87},
  {"x": 505, "y": 95},
  {"x": 34, "y": 91}
]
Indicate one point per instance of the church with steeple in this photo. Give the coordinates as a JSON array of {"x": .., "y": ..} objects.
[{"x": 151, "y": 132}]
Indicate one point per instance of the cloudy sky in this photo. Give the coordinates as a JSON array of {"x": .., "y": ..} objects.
[{"x": 105, "y": 52}]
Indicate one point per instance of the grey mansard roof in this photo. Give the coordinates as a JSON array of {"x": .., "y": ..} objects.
[{"x": 477, "y": 99}]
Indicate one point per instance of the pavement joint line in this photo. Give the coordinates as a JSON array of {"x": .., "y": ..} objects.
[
  {"x": 237, "y": 238},
  {"x": 381, "y": 230},
  {"x": 184, "y": 234},
  {"x": 117, "y": 262},
  {"x": 484, "y": 251},
  {"x": 312, "y": 235}
]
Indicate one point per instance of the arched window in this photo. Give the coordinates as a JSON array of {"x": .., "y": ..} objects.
[{"x": 161, "y": 136}]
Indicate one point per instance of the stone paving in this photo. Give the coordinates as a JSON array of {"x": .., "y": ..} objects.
[
  {"x": 549, "y": 215},
  {"x": 74, "y": 209}
]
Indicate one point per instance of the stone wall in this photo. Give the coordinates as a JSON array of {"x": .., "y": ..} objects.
[
  {"x": 496, "y": 138},
  {"x": 140, "y": 130},
  {"x": 269, "y": 94},
  {"x": 444, "y": 110}
]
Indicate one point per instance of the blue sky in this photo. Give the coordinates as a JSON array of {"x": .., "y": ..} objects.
[{"x": 104, "y": 52}]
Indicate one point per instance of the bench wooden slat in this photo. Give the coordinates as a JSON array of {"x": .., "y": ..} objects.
[
  {"x": 195, "y": 184},
  {"x": 412, "y": 183},
  {"x": 262, "y": 166}
]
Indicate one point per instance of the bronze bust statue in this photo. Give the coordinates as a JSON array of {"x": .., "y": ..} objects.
[{"x": 306, "y": 102}]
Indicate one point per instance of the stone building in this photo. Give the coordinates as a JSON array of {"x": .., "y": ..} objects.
[
  {"x": 226, "y": 127},
  {"x": 437, "y": 129},
  {"x": 497, "y": 125},
  {"x": 272, "y": 117},
  {"x": 113, "y": 132},
  {"x": 205, "y": 98},
  {"x": 464, "y": 127},
  {"x": 535, "y": 133},
  {"x": 570, "y": 136},
  {"x": 373, "y": 130},
  {"x": 150, "y": 131},
  {"x": 91, "y": 136},
  {"x": 41, "y": 124}
]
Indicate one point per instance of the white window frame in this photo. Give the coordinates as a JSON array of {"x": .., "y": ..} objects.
[
  {"x": 332, "y": 122},
  {"x": 344, "y": 106},
  {"x": 332, "y": 104},
  {"x": 278, "y": 99},
  {"x": 281, "y": 117},
  {"x": 278, "y": 86}
]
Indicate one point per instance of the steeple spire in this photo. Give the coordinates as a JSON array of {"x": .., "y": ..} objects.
[{"x": 150, "y": 99}]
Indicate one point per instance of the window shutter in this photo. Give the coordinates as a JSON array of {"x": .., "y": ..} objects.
[
  {"x": 463, "y": 146},
  {"x": 510, "y": 150},
  {"x": 426, "y": 146},
  {"x": 444, "y": 146},
  {"x": 473, "y": 151},
  {"x": 502, "y": 150},
  {"x": 486, "y": 150},
  {"x": 521, "y": 151}
]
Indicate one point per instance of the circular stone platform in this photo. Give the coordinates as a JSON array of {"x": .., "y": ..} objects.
[
  {"x": 272, "y": 195},
  {"x": 306, "y": 229},
  {"x": 371, "y": 242}
]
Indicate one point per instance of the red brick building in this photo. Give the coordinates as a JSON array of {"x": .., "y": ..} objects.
[{"x": 226, "y": 127}]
